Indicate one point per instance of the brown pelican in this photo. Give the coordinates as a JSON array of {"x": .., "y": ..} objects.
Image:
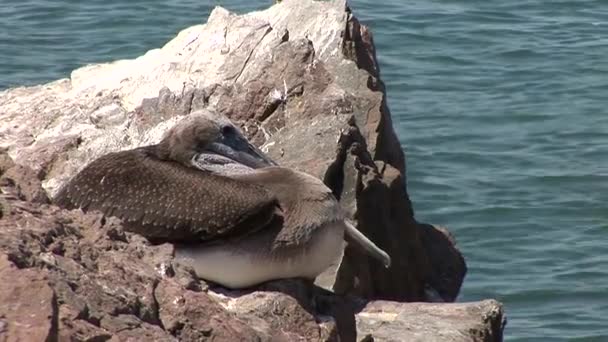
[{"x": 235, "y": 216}]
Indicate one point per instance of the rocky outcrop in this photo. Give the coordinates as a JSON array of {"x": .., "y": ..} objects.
[{"x": 302, "y": 80}]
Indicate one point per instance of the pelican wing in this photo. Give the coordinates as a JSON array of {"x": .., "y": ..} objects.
[{"x": 164, "y": 200}]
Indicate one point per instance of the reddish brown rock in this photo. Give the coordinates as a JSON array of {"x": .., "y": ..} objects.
[
  {"x": 195, "y": 316},
  {"x": 28, "y": 305},
  {"x": 23, "y": 182},
  {"x": 73, "y": 327}
]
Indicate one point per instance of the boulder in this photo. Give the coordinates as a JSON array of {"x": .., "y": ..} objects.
[
  {"x": 302, "y": 80},
  {"x": 429, "y": 322}
]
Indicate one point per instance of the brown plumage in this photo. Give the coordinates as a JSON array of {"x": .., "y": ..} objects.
[{"x": 164, "y": 199}]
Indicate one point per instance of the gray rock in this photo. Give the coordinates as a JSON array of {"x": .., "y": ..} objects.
[{"x": 427, "y": 322}]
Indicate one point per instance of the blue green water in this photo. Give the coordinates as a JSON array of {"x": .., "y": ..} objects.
[{"x": 501, "y": 107}]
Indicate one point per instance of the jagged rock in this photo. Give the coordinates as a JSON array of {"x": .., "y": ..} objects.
[{"x": 302, "y": 80}]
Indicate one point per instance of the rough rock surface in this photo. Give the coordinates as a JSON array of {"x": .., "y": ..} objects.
[
  {"x": 28, "y": 304},
  {"x": 428, "y": 322},
  {"x": 308, "y": 91}
]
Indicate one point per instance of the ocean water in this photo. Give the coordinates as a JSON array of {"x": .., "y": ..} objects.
[{"x": 501, "y": 107}]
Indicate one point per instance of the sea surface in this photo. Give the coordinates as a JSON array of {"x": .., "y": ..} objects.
[{"x": 501, "y": 108}]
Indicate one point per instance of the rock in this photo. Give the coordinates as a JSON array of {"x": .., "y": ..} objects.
[
  {"x": 302, "y": 80},
  {"x": 25, "y": 184},
  {"x": 28, "y": 305},
  {"x": 195, "y": 316},
  {"x": 5, "y": 162},
  {"x": 312, "y": 82},
  {"x": 293, "y": 318},
  {"x": 425, "y": 322},
  {"x": 447, "y": 263}
]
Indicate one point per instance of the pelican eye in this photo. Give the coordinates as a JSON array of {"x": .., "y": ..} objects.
[{"x": 228, "y": 130}]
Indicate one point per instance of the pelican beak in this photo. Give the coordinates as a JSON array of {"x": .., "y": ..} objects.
[
  {"x": 353, "y": 235},
  {"x": 238, "y": 149},
  {"x": 262, "y": 159}
]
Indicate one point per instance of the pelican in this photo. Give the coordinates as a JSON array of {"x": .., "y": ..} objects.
[{"x": 235, "y": 216}]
